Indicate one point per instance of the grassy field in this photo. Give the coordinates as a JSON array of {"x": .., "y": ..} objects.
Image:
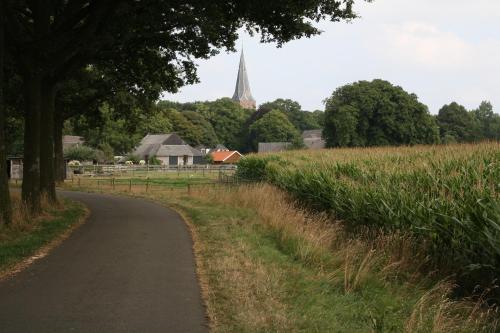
[
  {"x": 448, "y": 197},
  {"x": 28, "y": 236},
  {"x": 267, "y": 265}
]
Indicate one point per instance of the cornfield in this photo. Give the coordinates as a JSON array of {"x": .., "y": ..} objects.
[{"x": 447, "y": 196}]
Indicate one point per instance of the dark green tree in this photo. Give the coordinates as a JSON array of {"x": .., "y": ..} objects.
[
  {"x": 49, "y": 40},
  {"x": 207, "y": 134},
  {"x": 377, "y": 113},
  {"x": 5, "y": 205},
  {"x": 274, "y": 126},
  {"x": 456, "y": 124},
  {"x": 302, "y": 120},
  {"x": 183, "y": 127},
  {"x": 227, "y": 119},
  {"x": 488, "y": 121}
]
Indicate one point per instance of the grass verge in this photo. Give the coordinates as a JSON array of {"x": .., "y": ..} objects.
[
  {"x": 266, "y": 265},
  {"x": 30, "y": 238}
]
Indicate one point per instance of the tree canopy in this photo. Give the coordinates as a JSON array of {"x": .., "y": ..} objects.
[
  {"x": 377, "y": 113},
  {"x": 456, "y": 124},
  {"x": 274, "y": 126},
  {"x": 149, "y": 45}
]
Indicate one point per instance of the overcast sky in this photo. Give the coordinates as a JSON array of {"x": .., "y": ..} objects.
[{"x": 441, "y": 50}]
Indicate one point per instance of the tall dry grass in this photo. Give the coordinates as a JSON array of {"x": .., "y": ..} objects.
[
  {"x": 23, "y": 219},
  {"x": 448, "y": 196},
  {"x": 388, "y": 258}
]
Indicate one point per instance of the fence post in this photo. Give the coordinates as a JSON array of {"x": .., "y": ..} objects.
[
  {"x": 130, "y": 185},
  {"x": 113, "y": 183},
  {"x": 147, "y": 184},
  {"x": 189, "y": 189},
  {"x": 78, "y": 181}
]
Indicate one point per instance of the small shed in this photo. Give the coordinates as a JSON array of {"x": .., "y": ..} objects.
[
  {"x": 226, "y": 157},
  {"x": 15, "y": 167},
  {"x": 273, "y": 147}
]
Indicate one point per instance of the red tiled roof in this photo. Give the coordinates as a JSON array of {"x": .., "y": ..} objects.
[{"x": 221, "y": 156}]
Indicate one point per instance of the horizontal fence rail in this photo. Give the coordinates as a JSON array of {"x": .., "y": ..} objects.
[
  {"x": 111, "y": 170},
  {"x": 150, "y": 184}
]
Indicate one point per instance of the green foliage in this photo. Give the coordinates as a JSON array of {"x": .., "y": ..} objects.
[
  {"x": 105, "y": 154},
  {"x": 208, "y": 159},
  {"x": 227, "y": 119},
  {"x": 456, "y": 122},
  {"x": 377, "y": 113},
  {"x": 208, "y": 137},
  {"x": 253, "y": 168},
  {"x": 133, "y": 158},
  {"x": 183, "y": 127},
  {"x": 154, "y": 161},
  {"x": 109, "y": 127},
  {"x": 154, "y": 122},
  {"x": 302, "y": 120},
  {"x": 274, "y": 126},
  {"x": 447, "y": 196},
  {"x": 81, "y": 153},
  {"x": 488, "y": 121},
  {"x": 17, "y": 244}
]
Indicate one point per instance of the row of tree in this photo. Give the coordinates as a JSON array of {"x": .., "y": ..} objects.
[
  {"x": 223, "y": 121},
  {"x": 139, "y": 47},
  {"x": 377, "y": 113}
]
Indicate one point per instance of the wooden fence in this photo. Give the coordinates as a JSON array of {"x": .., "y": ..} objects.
[{"x": 132, "y": 170}]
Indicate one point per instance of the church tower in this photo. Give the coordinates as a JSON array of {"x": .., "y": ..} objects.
[{"x": 242, "y": 94}]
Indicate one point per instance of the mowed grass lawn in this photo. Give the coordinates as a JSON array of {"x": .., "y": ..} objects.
[{"x": 153, "y": 181}]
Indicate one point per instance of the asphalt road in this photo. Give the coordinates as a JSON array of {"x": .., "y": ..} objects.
[{"x": 129, "y": 268}]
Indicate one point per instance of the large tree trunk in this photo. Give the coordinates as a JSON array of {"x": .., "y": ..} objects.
[
  {"x": 31, "y": 170},
  {"x": 47, "y": 172},
  {"x": 5, "y": 204},
  {"x": 58, "y": 147}
]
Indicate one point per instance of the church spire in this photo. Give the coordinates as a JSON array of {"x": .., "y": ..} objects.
[{"x": 242, "y": 93}]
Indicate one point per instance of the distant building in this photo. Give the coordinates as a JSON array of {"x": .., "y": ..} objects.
[
  {"x": 242, "y": 93},
  {"x": 70, "y": 141},
  {"x": 313, "y": 139},
  {"x": 225, "y": 157},
  {"x": 219, "y": 147},
  {"x": 273, "y": 147},
  {"x": 206, "y": 150},
  {"x": 170, "y": 149},
  {"x": 15, "y": 167}
]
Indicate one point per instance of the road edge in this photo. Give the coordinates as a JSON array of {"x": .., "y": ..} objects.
[{"x": 46, "y": 249}]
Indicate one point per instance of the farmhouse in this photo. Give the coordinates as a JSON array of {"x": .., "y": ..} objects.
[
  {"x": 226, "y": 157},
  {"x": 170, "y": 149}
]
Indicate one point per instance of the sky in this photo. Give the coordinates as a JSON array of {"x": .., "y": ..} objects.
[{"x": 441, "y": 50}]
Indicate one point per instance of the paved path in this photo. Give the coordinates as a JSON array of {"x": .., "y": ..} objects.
[{"x": 129, "y": 268}]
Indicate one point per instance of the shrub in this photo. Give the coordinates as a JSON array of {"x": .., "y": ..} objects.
[
  {"x": 134, "y": 159},
  {"x": 81, "y": 153},
  {"x": 154, "y": 161}
]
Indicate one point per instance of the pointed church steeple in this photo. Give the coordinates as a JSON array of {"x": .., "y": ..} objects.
[{"x": 242, "y": 94}]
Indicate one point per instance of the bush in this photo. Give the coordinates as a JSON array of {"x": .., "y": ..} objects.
[
  {"x": 81, "y": 153},
  {"x": 255, "y": 168},
  {"x": 154, "y": 161},
  {"x": 134, "y": 159}
]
